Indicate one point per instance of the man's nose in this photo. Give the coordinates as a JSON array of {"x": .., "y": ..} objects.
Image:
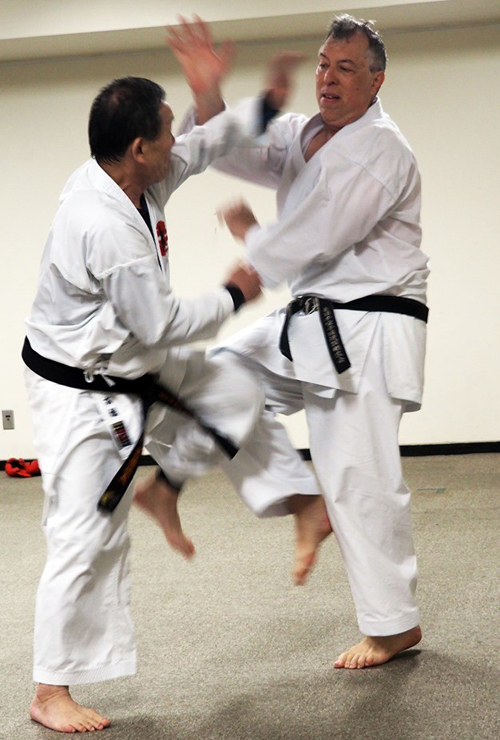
[{"x": 330, "y": 77}]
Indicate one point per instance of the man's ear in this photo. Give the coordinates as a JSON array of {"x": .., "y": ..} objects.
[
  {"x": 378, "y": 79},
  {"x": 137, "y": 149}
]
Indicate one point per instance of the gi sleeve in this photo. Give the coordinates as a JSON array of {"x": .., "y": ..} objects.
[
  {"x": 143, "y": 302},
  {"x": 340, "y": 210},
  {"x": 260, "y": 160},
  {"x": 195, "y": 150}
]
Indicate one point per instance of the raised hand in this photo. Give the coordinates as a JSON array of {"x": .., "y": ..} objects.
[
  {"x": 203, "y": 65},
  {"x": 280, "y": 77}
]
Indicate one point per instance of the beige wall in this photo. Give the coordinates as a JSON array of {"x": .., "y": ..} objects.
[
  {"x": 35, "y": 20},
  {"x": 440, "y": 89}
]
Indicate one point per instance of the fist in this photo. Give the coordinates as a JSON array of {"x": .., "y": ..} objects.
[{"x": 247, "y": 280}]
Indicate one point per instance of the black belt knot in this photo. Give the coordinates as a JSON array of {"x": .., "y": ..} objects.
[
  {"x": 149, "y": 391},
  {"x": 308, "y": 304}
]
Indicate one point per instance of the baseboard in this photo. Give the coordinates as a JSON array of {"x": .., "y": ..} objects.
[{"x": 453, "y": 448}]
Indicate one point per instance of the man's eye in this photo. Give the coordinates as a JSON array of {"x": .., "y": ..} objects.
[{"x": 346, "y": 69}]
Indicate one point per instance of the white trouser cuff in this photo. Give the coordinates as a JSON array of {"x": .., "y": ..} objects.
[
  {"x": 92, "y": 675},
  {"x": 265, "y": 511},
  {"x": 392, "y": 627},
  {"x": 269, "y": 507},
  {"x": 266, "y": 488}
]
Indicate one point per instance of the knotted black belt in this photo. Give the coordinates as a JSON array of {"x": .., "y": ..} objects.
[
  {"x": 146, "y": 387},
  {"x": 311, "y": 303}
]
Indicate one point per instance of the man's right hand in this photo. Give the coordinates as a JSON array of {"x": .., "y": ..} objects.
[
  {"x": 203, "y": 64},
  {"x": 247, "y": 280}
]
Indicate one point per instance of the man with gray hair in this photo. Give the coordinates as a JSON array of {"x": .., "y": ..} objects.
[{"x": 349, "y": 348}]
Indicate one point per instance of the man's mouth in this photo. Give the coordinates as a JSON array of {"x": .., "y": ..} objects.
[{"x": 330, "y": 96}]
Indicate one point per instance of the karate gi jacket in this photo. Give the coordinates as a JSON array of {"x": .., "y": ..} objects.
[
  {"x": 104, "y": 302},
  {"x": 348, "y": 226}
]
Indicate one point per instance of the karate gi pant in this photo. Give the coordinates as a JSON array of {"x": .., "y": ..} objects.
[
  {"x": 266, "y": 471},
  {"x": 354, "y": 447},
  {"x": 83, "y": 626}
]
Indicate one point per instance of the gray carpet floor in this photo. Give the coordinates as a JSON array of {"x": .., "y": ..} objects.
[{"x": 230, "y": 650}]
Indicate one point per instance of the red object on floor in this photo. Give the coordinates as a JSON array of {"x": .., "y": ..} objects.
[
  {"x": 31, "y": 466},
  {"x": 19, "y": 468}
]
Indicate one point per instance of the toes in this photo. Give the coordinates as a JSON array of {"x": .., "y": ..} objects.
[
  {"x": 340, "y": 662},
  {"x": 89, "y": 726},
  {"x": 298, "y": 577},
  {"x": 303, "y": 567},
  {"x": 89, "y": 721},
  {"x": 351, "y": 660},
  {"x": 80, "y": 727},
  {"x": 359, "y": 658},
  {"x": 178, "y": 541},
  {"x": 361, "y": 661},
  {"x": 187, "y": 548},
  {"x": 98, "y": 721}
]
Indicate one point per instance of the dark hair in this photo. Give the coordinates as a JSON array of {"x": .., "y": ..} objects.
[
  {"x": 122, "y": 111},
  {"x": 345, "y": 26}
]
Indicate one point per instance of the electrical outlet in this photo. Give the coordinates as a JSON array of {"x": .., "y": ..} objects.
[{"x": 8, "y": 419}]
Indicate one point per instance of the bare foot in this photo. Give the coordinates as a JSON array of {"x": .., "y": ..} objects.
[
  {"x": 373, "y": 651},
  {"x": 159, "y": 500},
  {"x": 312, "y": 526},
  {"x": 53, "y": 707}
]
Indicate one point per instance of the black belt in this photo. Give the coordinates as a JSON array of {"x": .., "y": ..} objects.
[
  {"x": 311, "y": 303},
  {"x": 146, "y": 387}
]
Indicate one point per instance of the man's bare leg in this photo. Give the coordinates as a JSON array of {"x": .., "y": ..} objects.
[
  {"x": 372, "y": 651},
  {"x": 53, "y": 707},
  {"x": 312, "y": 526},
  {"x": 159, "y": 499}
]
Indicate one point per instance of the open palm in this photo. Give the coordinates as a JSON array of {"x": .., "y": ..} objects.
[{"x": 203, "y": 65}]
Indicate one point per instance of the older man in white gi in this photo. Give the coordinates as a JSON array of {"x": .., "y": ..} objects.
[
  {"x": 103, "y": 316},
  {"x": 350, "y": 347}
]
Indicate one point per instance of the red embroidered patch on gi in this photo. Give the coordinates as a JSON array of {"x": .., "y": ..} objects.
[
  {"x": 121, "y": 435},
  {"x": 161, "y": 230}
]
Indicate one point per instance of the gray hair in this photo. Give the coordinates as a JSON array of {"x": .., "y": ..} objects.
[{"x": 345, "y": 26}]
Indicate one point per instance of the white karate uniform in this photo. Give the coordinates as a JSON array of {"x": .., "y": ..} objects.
[
  {"x": 104, "y": 304},
  {"x": 348, "y": 226}
]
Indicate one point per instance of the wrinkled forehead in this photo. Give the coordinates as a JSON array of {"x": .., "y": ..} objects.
[
  {"x": 166, "y": 116},
  {"x": 355, "y": 49}
]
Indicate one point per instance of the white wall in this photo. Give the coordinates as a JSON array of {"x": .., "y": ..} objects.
[
  {"x": 32, "y": 19},
  {"x": 440, "y": 88}
]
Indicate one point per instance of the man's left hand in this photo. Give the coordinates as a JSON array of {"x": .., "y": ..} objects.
[
  {"x": 280, "y": 78},
  {"x": 238, "y": 218}
]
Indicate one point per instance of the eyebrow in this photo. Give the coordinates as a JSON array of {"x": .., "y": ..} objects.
[{"x": 341, "y": 61}]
